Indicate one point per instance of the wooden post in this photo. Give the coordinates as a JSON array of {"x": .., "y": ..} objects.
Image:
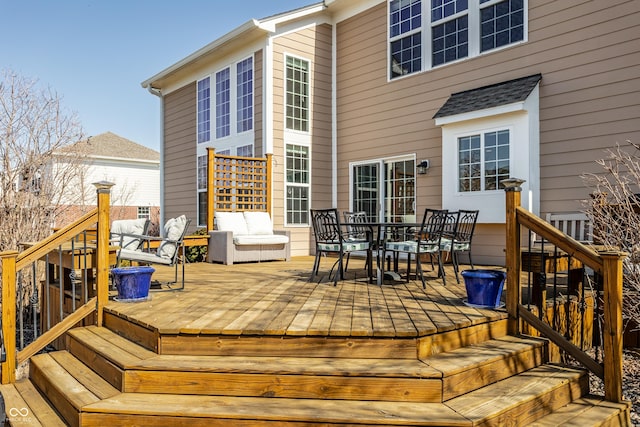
[
  {"x": 102, "y": 248},
  {"x": 512, "y": 258},
  {"x": 612, "y": 329},
  {"x": 211, "y": 158},
  {"x": 9, "y": 315},
  {"x": 269, "y": 173}
]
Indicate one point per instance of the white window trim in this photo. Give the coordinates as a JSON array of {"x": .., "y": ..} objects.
[
  {"x": 524, "y": 156},
  {"x": 473, "y": 13},
  {"x": 291, "y": 134},
  {"x": 308, "y": 185}
]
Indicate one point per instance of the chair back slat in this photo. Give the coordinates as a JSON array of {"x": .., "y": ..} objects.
[
  {"x": 466, "y": 225},
  {"x": 326, "y": 225},
  {"x": 352, "y": 221}
]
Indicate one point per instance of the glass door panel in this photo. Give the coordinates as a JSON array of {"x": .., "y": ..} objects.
[
  {"x": 385, "y": 190},
  {"x": 399, "y": 184},
  {"x": 366, "y": 190}
]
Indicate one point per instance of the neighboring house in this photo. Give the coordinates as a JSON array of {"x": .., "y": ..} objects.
[
  {"x": 133, "y": 168},
  {"x": 350, "y": 96}
]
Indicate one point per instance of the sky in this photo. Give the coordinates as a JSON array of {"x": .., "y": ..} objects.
[{"x": 95, "y": 53}]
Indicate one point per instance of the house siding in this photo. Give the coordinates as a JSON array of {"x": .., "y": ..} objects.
[
  {"x": 588, "y": 54},
  {"x": 180, "y": 154},
  {"x": 312, "y": 44}
]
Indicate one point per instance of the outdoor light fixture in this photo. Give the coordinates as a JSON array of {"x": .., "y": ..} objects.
[{"x": 423, "y": 167}]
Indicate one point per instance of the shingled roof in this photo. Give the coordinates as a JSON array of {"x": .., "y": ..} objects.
[
  {"x": 109, "y": 144},
  {"x": 489, "y": 96}
]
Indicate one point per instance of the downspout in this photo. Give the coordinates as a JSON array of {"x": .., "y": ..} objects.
[
  {"x": 158, "y": 93},
  {"x": 334, "y": 118}
]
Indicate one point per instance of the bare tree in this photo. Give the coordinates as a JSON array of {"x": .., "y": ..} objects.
[
  {"x": 34, "y": 126},
  {"x": 614, "y": 211}
]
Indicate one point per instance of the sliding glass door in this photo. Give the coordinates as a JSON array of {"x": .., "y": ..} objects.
[{"x": 385, "y": 190}]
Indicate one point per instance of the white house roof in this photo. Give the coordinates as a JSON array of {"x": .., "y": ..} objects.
[{"x": 110, "y": 145}]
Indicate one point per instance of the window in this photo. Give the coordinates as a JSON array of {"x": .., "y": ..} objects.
[
  {"x": 298, "y": 173},
  {"x": 202, "y": 190},
  {"x": 144, "y": 212},
  {"x": 405, "y": 17},
  {"x": 245, "y": 151},
  {"x": 244, "y": 95},
  {"x": 501, "y": 24},
  {"x": 483, "y": 161},
  {"x": 452, "y": 30},
  {"x": 204, "y": 120},
  {"x": 223, "y": 103},
  {"x": 297, "y": 94}
]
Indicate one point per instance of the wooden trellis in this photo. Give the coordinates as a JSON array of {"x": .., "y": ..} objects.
[{"x": 237, "y": 184}]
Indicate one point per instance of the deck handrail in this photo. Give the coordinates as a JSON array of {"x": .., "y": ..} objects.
[
  {"x": 14, "y": 261},
  {"x": 607, "y": 263}
]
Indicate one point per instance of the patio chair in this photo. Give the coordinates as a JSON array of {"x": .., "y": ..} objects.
[
  {"x": 123, "y": 231},
  {"x": 170, "y": 251},
  {"x": 330, "y": 238},
  {"x": 459, "y": 240},
  {"x": 427, "y": 240},
  {"x": 356, "y": 231}
]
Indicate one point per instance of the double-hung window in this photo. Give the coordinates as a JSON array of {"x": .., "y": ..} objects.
[
  {"x": 428, "y": 33},
  {"x": 483, "y": 161},
  {"x": 297, "y": 94},
  {"x": 298, "y": 184}
]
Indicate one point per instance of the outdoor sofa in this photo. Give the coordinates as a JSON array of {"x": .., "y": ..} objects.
[{"x": 246, "y": 237}]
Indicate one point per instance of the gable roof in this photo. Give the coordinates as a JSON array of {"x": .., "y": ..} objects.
[
  {"x": 253, "y": 29},
  {"x": 495, "y": 95},
  {"x": 113, "y": 146}
]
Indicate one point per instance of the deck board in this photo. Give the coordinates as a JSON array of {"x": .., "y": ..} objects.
[{"x": 278, "y": 299}]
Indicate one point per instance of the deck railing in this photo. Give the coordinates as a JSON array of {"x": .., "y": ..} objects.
[
  {"x": 20, "y": 280},
  {"x": 606, "y": 265}
]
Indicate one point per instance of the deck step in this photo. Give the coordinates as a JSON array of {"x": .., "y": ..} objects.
[
  {"x": 516, "y": 401},
  {"x": 68, "y": 383},
  {"x": 25, "y": 406},
  {"x": 590, "y": 411},
  {"x": 435, "y": 379}
]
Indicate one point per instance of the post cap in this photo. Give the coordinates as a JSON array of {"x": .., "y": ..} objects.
[{"x": 512, "y": 184}]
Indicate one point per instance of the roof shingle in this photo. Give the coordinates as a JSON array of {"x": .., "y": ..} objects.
[{"x": 489, "y": 96}]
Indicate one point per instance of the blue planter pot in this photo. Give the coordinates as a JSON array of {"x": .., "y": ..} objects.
[
  {"x": 484, "y": 287},
  {"x": 132, "y": 283}
]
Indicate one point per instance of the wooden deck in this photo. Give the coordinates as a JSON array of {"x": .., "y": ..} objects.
[
  {"x": 276, "y": 299},
  {"x": 258, "y": 344}
]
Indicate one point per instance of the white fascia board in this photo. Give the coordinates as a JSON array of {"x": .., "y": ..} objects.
[
  {"x": 270, "y": 23},
  {"x": 481, "y": 114}
]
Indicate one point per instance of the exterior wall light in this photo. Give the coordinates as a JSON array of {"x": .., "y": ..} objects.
[{"x": 423, "y": 167}]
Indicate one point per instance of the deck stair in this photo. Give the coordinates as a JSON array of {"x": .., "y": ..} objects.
[{"x": 106, "y": 379}]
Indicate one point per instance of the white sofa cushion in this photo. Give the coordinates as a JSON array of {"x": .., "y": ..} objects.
[
  {"x": 261, "y": 239},
  {"x": 231, "y": 221},
  {"x": 127, "y": 226},
  {"x": 258, "y": 223}
]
